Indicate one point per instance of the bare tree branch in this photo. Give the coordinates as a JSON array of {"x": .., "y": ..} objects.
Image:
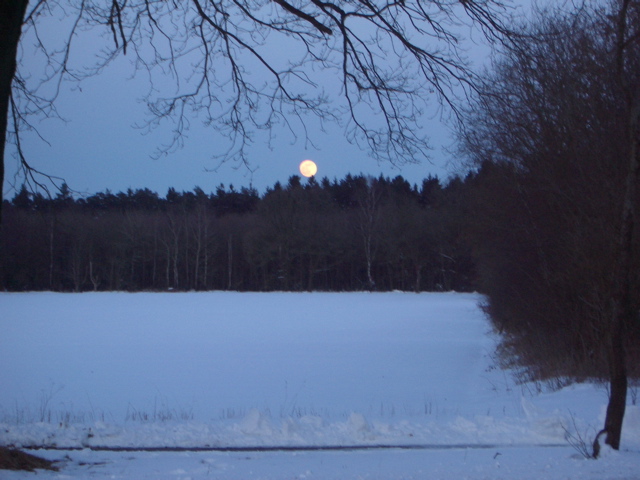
[{"x": 250, "y": 66}]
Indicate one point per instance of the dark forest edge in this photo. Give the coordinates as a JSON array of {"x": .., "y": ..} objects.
[{"x": 359, "y": 233}]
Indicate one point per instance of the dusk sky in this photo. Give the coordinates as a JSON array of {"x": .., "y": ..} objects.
[{"x": 98, "y": 147}]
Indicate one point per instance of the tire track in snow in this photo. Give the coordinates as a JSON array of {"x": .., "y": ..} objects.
[{"x": 298, "y": 448}]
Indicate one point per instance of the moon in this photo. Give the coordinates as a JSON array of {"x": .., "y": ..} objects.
[{"x": 308, "y": 168}]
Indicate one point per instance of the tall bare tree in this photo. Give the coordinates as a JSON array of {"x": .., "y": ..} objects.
[
  {"x": 627, "y": 47},
  {"x": 11, "y": 18},
  {"x": 368, "y": 201},
  {"x": 556, "y": 127}
]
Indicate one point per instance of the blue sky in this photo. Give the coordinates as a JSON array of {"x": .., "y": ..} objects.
[{"x": 98, "y": 147}]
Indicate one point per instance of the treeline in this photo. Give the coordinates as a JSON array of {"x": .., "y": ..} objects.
[{"x": 353, "y": 234}]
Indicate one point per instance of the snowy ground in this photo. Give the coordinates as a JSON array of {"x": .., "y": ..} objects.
[{"x": 218, "y": 370}]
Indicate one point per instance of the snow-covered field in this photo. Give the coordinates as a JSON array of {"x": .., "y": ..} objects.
[{"x": 218, "y": 370}]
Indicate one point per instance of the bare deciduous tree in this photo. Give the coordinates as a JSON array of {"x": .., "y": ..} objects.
[{"x": 556, "y": 127}]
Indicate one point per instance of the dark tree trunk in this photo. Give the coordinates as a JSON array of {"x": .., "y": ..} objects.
[
  {"x": 618, "y": 391},
  {"x": 11, "y": 17},
  {"x": 623, "y": 308}
]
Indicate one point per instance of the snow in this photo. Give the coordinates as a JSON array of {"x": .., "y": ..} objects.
[{"x": 243, "y": 371}]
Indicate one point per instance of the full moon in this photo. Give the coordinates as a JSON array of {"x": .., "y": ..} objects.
[{"x": 308, "y": 168}]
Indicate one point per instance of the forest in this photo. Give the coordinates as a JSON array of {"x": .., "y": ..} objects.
[{"x": 358, "y": 233}]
